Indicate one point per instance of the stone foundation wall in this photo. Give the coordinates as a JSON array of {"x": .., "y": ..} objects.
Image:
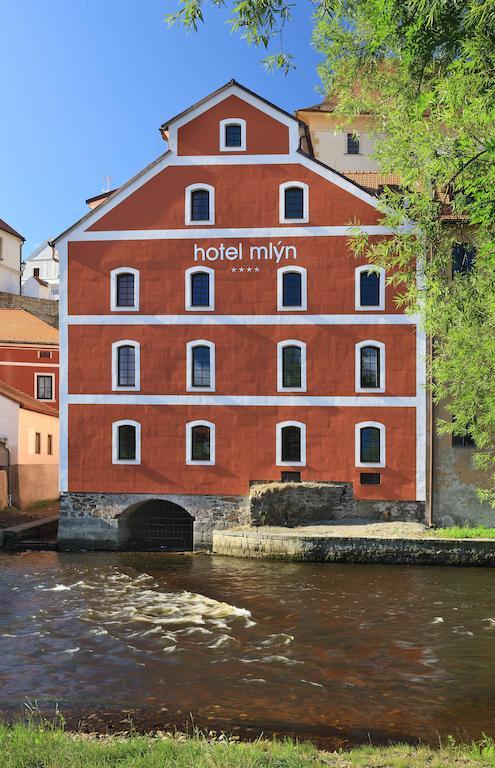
[
  {"x": 338, "y": 549},
  {"x": 293, "y": 504},
  {"x": 97, "y": 521}
]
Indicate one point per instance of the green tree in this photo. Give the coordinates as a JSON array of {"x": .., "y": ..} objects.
[{"x": 425, "y": 72}]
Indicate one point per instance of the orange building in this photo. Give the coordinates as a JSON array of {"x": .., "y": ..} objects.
[
  {"x": 29, "y": 355},
  {"x": 217, "y": 331}
]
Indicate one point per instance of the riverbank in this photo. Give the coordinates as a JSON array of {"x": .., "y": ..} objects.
[
  {"x": 23, "y": 746},
  {"x": 391, "y": 543}
]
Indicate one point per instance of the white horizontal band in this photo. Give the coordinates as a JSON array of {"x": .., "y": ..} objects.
[
  {"x": 192, "y": 319},
  {"x": 32, "y": 365},
  {"x": 213, "y": 233},
  {"x": 244, "y": 400}
]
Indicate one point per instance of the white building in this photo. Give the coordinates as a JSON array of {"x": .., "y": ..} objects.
[
  {"x": 10, "y": 259},
  {"x": 40, "y": 277}
]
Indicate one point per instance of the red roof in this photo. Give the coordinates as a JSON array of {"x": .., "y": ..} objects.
[
  {"x": 26, "y": 401},
  {"x": 7, "y": 228}
]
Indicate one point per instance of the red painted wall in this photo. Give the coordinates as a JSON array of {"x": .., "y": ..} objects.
[
  {"x": 159, "y": 204},
  {"x": 245, "y": 449},
  {"x": 23, "y": 376},
  {"x": 246, "y": 357},
  {"x": 162, "y": 263},
  {"x": 246, "y": 196},
  {"x": 264, "y": 135}
]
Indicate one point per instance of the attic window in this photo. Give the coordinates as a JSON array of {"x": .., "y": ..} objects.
[
  {"x": 353, "y": 144},
  {"x": 233, "y": 135}
]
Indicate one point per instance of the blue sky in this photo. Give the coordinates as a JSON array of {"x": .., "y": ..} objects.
[{"x": 85, "y": 84}]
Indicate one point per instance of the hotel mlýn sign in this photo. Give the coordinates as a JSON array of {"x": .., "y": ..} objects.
[{"x": 269, "y": 252}]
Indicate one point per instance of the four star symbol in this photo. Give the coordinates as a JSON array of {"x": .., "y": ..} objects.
[{"x": 248, "y": 269}]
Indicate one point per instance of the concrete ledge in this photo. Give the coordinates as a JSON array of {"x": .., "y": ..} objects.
[{"x": 342, "y": 549}]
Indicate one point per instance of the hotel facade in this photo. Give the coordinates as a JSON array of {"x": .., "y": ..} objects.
[{"x": 217, "y": 331}]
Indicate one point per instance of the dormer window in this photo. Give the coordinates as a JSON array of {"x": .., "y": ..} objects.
[
  {"x": 233, "y": 135},
  {"x": 294, "y": 202},
  {"x": 353, "y": 144},
  {"x": 200, "y": 204}
]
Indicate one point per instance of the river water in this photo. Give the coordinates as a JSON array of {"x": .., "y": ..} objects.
[{"x": 335, "y": 653}]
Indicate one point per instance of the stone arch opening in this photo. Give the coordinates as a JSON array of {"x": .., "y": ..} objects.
[{"x": 157, "y": 525}]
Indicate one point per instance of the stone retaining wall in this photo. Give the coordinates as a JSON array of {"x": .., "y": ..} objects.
[
  {"x": 320, "y": 549},
  {"x": 293, "y": 504},
  {"x": 44, "y": 309}
]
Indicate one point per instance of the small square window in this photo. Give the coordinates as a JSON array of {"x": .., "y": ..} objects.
[
  {"x": 290, "y": 477},
  {"x": 370, "y": 478}
]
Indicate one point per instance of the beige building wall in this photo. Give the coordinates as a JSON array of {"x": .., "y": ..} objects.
[
  {"x": 10, "y": 263},
  {"x": 329, "y": 140}
]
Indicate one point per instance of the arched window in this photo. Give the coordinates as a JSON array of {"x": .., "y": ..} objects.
[
  {"x": 370, "y": 366},
  {"x": 370, "y": 444},
  {"x": 291, "y": 444},
  {"x": 291, "y": 366},
  {"x": 292, "y": 289},
  {"x": 124, "y": 289},
  {"x": 126, "y": 442},
  {"x": 200, "y": 366},
  {"x": 125, "y": 365},
  {"x": 232, "y": 135},
  {"x": 370, "y": 288},
  {"x": 200, "y": 288},
  {"x": 294, "y": 202},
  {"x": 200, "y": 204},
  {"x": 200, "y": 442}
]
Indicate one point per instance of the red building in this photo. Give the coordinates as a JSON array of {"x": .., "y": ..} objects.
[
  {"x": 29, "y": 355},
  {"x": 217, "y": 330}
]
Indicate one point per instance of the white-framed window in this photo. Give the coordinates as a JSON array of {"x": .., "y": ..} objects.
[
  {"x": 126, "y": 442},
  {"x": 124, "y": 289},
  {"x": 126, "y": 365},
  {"x": 370, "y": 366},
  {"x": 292, "y": 290},
  {"x": 44, "y": 387},
  {"x": 45, "y": 354},
  {"x": 200, "y": 204},
  {"x": 369, "y": 288},
  {"x": 200, "y": 289},
  {"x": 294, "y": 202},
  {"x": 200, "y": 366},
  {"x": 370, "y": 444},
  {"x": 291, "y": 366},
  {"x": 200, "y": 443},
  {"x": 233, "y": 135},
  {"x": 291, "y": 444}
]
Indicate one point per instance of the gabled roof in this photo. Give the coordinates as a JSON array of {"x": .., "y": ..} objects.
[
  {"x": 26, "y": 401},
  {"x": 7, "y": 228},
  {"x": 32, "y": 256},
  {"x": 164, "y": 127},
  {"x": 19, "y": 326}
]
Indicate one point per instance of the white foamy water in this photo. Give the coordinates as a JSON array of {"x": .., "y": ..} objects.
[{"x": 138, "y": 609}]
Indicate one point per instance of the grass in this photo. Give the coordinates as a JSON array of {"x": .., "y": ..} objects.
[
  {"x": 39, "y": 746},
  {"x": 464, "y": 532}
]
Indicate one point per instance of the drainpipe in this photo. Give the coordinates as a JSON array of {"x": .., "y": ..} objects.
[
  {"x": 3, "y": 442},
  {"x": 429, "y": 490}
]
